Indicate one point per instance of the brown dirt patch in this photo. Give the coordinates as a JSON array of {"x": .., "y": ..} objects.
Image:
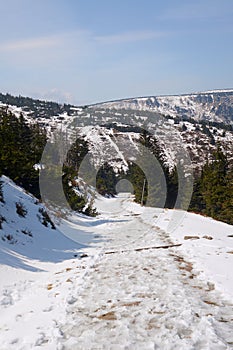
[
  {"x": 49, "y": 286},
  {"x": 191, "y": 237},
  {"x": 109, "y": 316}
]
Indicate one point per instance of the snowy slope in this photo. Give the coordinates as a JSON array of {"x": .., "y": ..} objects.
[
  {"x": 105, "y": 125},
  {"x": 35, "y": 234},
  {"x": 34, "y": 257},
  {"x": 210, "y": 105},
  {"x": 28, "y": 235},
  {"x": 129, "y": 298}
]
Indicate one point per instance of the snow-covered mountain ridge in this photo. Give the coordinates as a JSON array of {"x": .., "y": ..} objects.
[
  {"x": 216, "y": 105},
  {"x": 199, "y": 121}
]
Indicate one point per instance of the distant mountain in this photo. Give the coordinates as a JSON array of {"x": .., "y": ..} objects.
[
  {"x": 33, "y": 107},
  {"x": 199, "y": 121},
  {"x": 216, "y": 105}
]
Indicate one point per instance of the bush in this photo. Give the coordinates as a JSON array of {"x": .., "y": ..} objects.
[
  {"x": 9, "y": 238},
  {"x": 27, "y": 232},
  {"x": 20, "y": 209},
  {"x": 1, "y": 193},
  {"x": 2, "y": 219},
  {"x": 90, "y": 211},
  {"x": 45, "y": 219}
]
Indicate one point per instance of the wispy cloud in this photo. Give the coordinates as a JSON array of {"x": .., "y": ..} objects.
[
  {"x": 52, "y": 50},
  {"x": 77, "y": 38},
  {"x": 129, "y": 37},
  {"x": 45, "y": 42},
  {"x": 31, "y": 44}
]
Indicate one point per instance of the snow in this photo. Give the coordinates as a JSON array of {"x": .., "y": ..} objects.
[
  {"x": 218, "y": 91},
  {"x": 178, "y": 105},
  {"x": 122, "y": 293},
  {"x": 103, "y": 145},
  {"x": 212, "y": 250}
]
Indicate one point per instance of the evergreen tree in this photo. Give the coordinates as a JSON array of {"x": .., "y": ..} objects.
[
  {"x": 76, "y": 153},
  {"x": 21, "y": 147},
  {"x": 213, "y": 190},
  {"x": 106, "y": 180},
  {"x": 136, "y": 177},
  {"x": 172, "y": 187},
  {"x": 162, "y": 182},
  {"x": 74, "y": 157},
  {"x": 213, "y": 184}
]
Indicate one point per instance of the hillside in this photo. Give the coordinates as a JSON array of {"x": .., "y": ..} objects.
[
  {"x": 27, "y": 230},
  {"x": 198, "y": 122},
  {"x": 130, "y": 141},
  {"x": 215, "y": 106}
]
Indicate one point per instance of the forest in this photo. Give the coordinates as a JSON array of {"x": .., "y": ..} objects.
[
  {"x": 21, "y": 147},
  {"x": 212, "y": 191}
]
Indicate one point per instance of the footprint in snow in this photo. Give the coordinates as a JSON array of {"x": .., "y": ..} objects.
[
  {"x": 48, "y": 309},
  {"x": 71, "y": 300},
  {"x": 18, "y": 317}
]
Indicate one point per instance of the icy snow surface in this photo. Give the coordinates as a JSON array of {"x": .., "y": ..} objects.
[{"x": 119, "y": 296}]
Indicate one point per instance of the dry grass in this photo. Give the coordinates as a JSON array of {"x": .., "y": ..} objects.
[
  {"x": 132, "y": 303},
  {"x": 208, "y": 237},
  {"x": 49, "y": 286}
]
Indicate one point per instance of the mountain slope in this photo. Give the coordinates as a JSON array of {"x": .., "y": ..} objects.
[
  {"x": 27, "y": 231},
  {"x": 200, "y": 121},
  {"x": 216, "y": 106}
]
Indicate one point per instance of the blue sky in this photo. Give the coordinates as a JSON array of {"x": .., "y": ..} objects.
[{"x": 85, "y": 51}]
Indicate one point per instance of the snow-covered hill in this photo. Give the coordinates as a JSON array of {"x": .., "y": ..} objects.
[
  {"x": 216, "y": 105},
  {"x": 27, "y": 231},
  {"x": 197, "y": 122}
]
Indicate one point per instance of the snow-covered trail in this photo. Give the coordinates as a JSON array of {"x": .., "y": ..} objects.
[
  {"x": 116, "y": 295},
  {"x": 146, "y": 299}
]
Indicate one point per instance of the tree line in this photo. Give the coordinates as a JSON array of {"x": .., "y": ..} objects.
[
  {"x": 213, "y": 185},
  {"x": 213, "y": 189},
  {"x": 21, "y": 148}
]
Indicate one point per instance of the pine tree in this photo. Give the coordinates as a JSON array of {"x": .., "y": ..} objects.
[
  {"x": 214, "y": 183},
  {"x": 213, "y": 190},
  {"x": 106, "y": 180}
]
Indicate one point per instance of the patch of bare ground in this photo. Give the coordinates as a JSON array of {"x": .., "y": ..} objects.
[
  {"x": 49, "y": 286},
  {"x": 132, "y": 303},
  {"x": 209, "y": 302},
  {"x": 109, "y": 316},
  {"x": 191, "y": 237}
]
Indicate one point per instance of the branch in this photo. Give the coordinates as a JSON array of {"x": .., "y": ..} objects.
[{"x": 145, "y": 248}]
